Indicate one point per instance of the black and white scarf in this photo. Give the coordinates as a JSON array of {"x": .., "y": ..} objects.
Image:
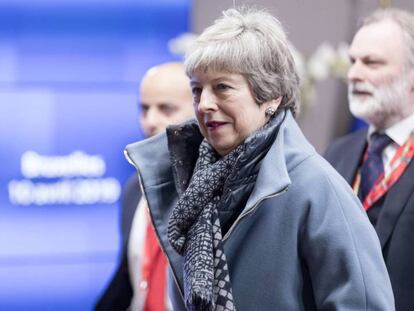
[
  {"x": 194, "y": 231},
  {"x": 194, "y": 228}
]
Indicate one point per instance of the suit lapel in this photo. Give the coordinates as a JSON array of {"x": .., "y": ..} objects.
[
  {"x": 352, "y": 156},
  {"x": 394, "y": 204}
]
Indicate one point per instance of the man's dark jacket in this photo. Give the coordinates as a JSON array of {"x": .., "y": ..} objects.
[
  {"x": 395, "y": 222},
  {"x": 118, "y": 294}
]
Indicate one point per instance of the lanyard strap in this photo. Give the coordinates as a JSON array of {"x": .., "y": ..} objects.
[{"x": 398, "y": 165}]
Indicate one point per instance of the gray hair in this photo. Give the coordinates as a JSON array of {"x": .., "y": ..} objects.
[
  {"x": 252, "y": 43},
  {"x": 404, "y": 19}
]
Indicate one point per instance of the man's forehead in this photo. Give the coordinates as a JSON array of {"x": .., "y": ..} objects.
[
  {"x": 165, "y": 78},
  {"x": 166, "y": 71},
  {"x": 381, "y": 39}
]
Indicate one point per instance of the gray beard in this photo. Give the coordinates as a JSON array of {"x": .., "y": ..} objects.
[{"x": 386, "y": 104}]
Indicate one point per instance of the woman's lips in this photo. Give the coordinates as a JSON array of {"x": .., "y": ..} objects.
[{"x": 214, "y": 125}]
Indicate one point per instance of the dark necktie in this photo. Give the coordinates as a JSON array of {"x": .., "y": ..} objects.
[{"x": 372, "y": 168}]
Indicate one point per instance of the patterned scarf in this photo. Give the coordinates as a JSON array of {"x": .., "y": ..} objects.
[{"x": 194, "y": 231}]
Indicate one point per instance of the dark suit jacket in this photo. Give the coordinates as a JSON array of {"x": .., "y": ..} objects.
[
  {"x": 395, "y": 224},
  {"x": 118, "y": 294}
]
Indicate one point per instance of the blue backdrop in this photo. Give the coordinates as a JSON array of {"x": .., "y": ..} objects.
[{"x": 69, "y": 75}]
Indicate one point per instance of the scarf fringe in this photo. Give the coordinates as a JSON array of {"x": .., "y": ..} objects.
[{"x": 199, "y": 303}]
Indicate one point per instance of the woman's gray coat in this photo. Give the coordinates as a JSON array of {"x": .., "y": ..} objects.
[{"x": 302, "y": 240}]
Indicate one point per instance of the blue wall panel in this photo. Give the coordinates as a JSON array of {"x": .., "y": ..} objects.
[{"x": 69, "y": 76}]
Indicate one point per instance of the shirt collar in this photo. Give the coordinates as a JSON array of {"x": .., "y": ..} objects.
[{"x": 399, "y": 132}]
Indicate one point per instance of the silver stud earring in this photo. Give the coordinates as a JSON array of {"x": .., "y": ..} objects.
[{"x": 270, "y": 111}]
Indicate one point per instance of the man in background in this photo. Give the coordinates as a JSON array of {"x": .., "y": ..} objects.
[
  {"x": 377, "y": 161},
  {"x": 140, "y": 280}
]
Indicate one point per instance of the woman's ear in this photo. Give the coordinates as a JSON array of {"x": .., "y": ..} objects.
[
  {"x": 274, "y": 103},
  {"x": 271, "y": 106}
]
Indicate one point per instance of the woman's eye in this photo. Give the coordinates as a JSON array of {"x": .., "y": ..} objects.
[
  {"x": 222, "y": 87},
  {"x": 196, "y": 91},
  {"x": 196, "y": 94}
]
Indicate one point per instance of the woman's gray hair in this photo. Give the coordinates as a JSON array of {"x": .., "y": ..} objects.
[
  {"x": 252, "y": 43},
  {"x": 402, "y": 18}
]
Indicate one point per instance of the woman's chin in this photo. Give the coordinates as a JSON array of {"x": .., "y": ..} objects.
[{"x": 222, "y": 149}]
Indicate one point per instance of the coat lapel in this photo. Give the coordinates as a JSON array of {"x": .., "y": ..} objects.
[{"x": 394, "y": 204}]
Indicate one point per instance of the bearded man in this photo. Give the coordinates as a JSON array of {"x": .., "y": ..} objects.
[{"x": 377, "y": 161}]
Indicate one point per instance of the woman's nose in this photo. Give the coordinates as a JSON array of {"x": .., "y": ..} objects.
[{"x": 208, "y": 102}]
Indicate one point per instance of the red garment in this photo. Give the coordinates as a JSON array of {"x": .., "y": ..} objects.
[{"x": 154, "y": 267}]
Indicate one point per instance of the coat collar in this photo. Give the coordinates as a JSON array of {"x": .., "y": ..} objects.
[
  {"x": 289, "y": 149},
  {"x": 152, "y": 158}
]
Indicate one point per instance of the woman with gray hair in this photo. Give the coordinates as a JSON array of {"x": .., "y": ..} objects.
[{"x": 248, "y": 214}]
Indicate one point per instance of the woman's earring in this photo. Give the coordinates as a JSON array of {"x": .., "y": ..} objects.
[{"x": 270, "y": 111}]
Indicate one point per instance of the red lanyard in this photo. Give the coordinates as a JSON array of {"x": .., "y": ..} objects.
[{"x": 398, "y": 166}]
